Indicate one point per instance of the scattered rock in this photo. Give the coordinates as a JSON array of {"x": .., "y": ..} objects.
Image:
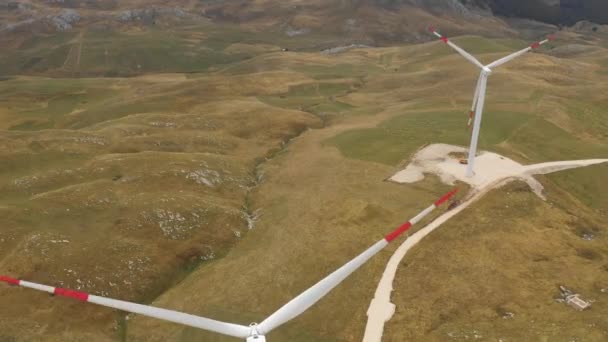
[
  {"x": 90, "y": 140},
  {"x": 147, "y": 15},
  {"x": 163, "y": 124},
  {"x": 588, "y": 236},
  {"x": 209, "y": 256},
  {"x": 508, "y": 315},
  {"x": 292, "y": 32},
  {"x": 15, "y": 5},
  {"x": 251, "y": 217},
  {"x": 207, "y": 177},
  {"x": 65, "y": 19}
]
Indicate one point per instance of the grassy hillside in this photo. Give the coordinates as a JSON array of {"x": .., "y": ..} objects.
[
  {"x": 145, "y": 188},
  {"x": 325, "y": 200},
  {"x": 132, "y": 37},
  {"x": 123, "y": 194}
]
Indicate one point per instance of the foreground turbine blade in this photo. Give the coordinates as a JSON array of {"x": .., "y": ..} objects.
[
  {"x": 167, "y": 315},
  {"x": 464, "y": 54},
  {"x": 289, "y": 311},
  {"x": 518, "y": 53},
  {"x": 309, "y": 297}
]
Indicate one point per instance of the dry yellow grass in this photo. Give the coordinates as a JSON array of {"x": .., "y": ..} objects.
[
  {"x": 507, "y": 255},
  {"x": 148, "y": 146},
  {"x": 321, "y": 209}
]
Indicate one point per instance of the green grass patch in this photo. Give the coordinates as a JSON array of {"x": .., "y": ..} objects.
[
  {"x": 45, "y": 103},
  {"x": 292, "y": 102},
  {"x": 319, "y": 89},
  {"x": 114, "y": 53},
  {"x": 332, "y": 107},
  {"x": 341, "y": 70},
  {"x": 49, "y": 86},
  {"x": 587, "y": 184},
  {"x": 541, "y": 141},
  {"x": 592, "y": 117},
  {"x": 32, "y": 125},
  {"x": 118, "y": 110},
  {"x": 150, "y": 51},
  {"x": 40, "y": 42},
  {"x": 397, "y": 138},
  {"x": 318, "y": 96}
]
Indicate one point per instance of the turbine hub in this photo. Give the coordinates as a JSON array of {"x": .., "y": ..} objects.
[
  {"x": 487, "y": 70},
  {"x": 254, "y": 335}
]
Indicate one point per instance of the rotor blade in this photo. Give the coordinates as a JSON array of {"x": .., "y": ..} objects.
[
  {"x": 475, "y": 98},
  {"x": 230, "y": 329},
  {"x": 518, "y": 53},
  {"x": 309, "y": 297},
  {"x": 464, "y": 54}
]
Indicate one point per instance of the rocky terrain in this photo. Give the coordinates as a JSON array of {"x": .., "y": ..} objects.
[{"x": 358, "y": 19}]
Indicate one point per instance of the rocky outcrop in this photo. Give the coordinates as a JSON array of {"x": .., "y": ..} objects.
[
  {"x": 464, "y": 8},
  {"x": 564, "y": 12},
  {"x": 15, "y": 5},
  {"x": 148, "y": 16},
  {"x": 65, "y": 19}
]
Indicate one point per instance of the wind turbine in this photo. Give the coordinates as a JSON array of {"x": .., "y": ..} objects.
[
  {"x": 254, "y": 332},
  {"x": 480, "y": 90}
]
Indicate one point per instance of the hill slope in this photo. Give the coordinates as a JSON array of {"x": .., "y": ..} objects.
[{"x": 175, "y": 178}]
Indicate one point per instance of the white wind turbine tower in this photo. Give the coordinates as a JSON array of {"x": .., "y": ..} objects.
[
  {"x": 480, "y": 89},
  {"x": 254, "y": 332}
]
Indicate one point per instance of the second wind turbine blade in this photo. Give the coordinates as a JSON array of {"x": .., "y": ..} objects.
[
  {"x": 458, "y": 49},
  {"x": 514, "y": 55}
]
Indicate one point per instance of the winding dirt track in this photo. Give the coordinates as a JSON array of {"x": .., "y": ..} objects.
[{"x": 381, "y": 309}]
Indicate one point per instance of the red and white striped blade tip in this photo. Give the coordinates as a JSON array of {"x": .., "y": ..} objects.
[
  {"x": 407, "y": 225},
  {"x": 446, "y": 197},
  {"x": 9, "y": 280},
  {"x": 539, "y": 43},
  {"x": 57, "y": 291}
]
